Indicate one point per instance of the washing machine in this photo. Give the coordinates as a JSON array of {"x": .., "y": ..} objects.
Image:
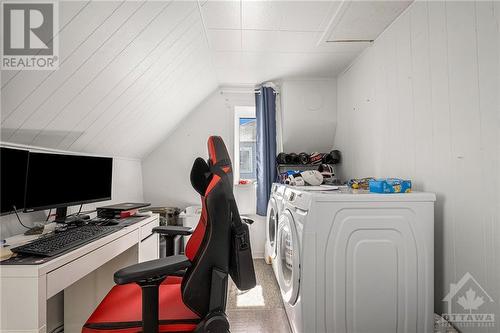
[
  {"x": 356, "y": 262},
  {"x": 288, "y": 261},
  {"x": 274, "y": 209}
]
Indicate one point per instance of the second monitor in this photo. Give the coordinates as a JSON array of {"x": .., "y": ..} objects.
[{"x": 62, "y": 180}]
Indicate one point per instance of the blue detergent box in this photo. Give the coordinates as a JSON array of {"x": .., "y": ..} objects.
[{"x": 390, "y": 185}]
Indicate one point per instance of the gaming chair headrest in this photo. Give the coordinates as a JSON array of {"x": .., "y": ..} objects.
[
  {"x": 219, "y": 156},
  {"x": 217, "y": 152},
  {"x": 200, "y": 172}
]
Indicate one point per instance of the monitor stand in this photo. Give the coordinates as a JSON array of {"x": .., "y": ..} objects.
[
  {"x": 61, "y": 214},
  {"x": 62, "y": 217}
]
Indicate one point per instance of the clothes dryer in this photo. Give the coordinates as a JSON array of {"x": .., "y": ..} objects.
[{"x": 356, "y": 262}]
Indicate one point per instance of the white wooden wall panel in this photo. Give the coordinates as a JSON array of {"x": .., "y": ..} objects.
[
  {"x": 421, "y": 91},
  {"x": 488, "y": 56},
  {"x": 48, "y": 92},
  {"x": 70, "y": 12},
  {"x": 16, "y": 91},
  {"x": 127, "y": 68},
  {"x": 405, "y": 128},
  {"x": 465, "y": 135},
  {"x": 67, "y": 14},
  {"x": 442, "y": 157},
  {"x": 435, "y": 101},
  {"x": 142, "y": 93},
  {"x": 126, "y": 118},
  {"x": 120, "y": 53}
]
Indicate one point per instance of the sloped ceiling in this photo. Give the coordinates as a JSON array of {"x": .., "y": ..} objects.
[{"x": 130, "y": 71}]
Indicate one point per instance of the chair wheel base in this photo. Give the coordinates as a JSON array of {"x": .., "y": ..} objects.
[{"x": 214, "y": 323}]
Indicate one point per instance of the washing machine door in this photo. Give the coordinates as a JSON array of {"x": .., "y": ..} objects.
[
  {"x": 272, "y": 225},
  {"x": 288, "y": 258}
]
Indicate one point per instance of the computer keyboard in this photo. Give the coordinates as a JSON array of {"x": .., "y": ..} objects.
[
  {"x": 104, "y": 221},
  {"x": 61, "y": 242}
]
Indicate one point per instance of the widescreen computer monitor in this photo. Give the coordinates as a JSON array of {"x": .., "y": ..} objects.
[
  {"x": 61, "y": 180},
  {"x": 13, "y": 168}
]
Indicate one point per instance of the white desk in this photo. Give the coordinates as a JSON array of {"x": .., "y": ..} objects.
[{"x": 85, "y": 271}]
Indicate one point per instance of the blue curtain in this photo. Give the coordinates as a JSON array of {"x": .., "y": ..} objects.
[{"x": 265, "y": 112}]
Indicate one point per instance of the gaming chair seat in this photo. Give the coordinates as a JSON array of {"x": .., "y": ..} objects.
[{"x": 149, "y": 297}]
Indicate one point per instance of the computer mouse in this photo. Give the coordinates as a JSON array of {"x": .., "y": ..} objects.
[{"x": 111, "y": 222}]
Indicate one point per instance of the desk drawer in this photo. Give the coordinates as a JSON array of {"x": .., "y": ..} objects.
[
  {"x": 147, "y": 229},
  {"x": 66, "y": 275},
  {"x": 149, "y": 248}
]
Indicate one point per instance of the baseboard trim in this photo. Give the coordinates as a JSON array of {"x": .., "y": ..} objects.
[{"x": 258, "y": 255}]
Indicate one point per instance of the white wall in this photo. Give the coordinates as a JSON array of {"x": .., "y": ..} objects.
[
  {"x": 423, "y": 103},
  {"x": 166, "y": 170},
  {"x": 126, "y": 186},
  {"x": 309, "y": 109}
]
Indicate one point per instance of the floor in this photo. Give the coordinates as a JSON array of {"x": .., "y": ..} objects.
[{"x": 259, "y": 309}]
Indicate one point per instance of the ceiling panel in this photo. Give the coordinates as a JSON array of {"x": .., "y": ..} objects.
[
  {"x": 259, "y": 40},
  {"x": 306, "y": 15},
  {"x": 74, "y": 41},
  {"x": 363, "y": 20},
  {"x": 130, "y": 71},
  {"x": 225, "y": 40},
  {"x": 67, "y": 13},
  {"x": 42, "y": 95},
  {"x": 105, "y": 107},
  {"x": 287, "y": 15},
  {"x": 224, "y": 59},
  {"x": 71, "y": 87},
  {"x": 122, "y": 63},
  {"x": 222, "y": 14},
  {"x": 260, "y": 15}
]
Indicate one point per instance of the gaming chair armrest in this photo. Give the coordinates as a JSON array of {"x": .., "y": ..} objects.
[
  {"x": 151, "y": 270},
  {"x": 172, "y": 230},
  {"x": 246, "y": 220}
]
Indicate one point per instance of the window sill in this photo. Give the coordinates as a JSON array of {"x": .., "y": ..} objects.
[{"x": 245, "y": 185}]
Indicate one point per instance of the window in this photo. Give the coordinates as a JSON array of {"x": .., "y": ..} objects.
[{"x": 245, "y": 143}]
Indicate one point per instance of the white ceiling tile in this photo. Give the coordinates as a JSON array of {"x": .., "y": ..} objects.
[
  {"x": 279, "y": 41},
  {"x": 294, "y": 41},
  {"x": 306, "y": 15},
  {"x": 222, "y": 14},
  {"x": 227, "y": 59},
  {"x": 225, "y": 40},
  {"x": 287, "y": 15},
  {"x": 259, "y": 40},
  {"x": 255, "y": 59},
  {"x": 261, "y": 15}
]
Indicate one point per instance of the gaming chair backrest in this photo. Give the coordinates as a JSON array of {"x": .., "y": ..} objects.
[{"x": 209, "y": 246}]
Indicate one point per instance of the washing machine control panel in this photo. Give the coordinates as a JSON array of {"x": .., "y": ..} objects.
[{"x": 297, "y": 198}]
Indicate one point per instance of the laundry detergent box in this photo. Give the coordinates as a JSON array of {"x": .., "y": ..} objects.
[{"x": 390, "y": 185}]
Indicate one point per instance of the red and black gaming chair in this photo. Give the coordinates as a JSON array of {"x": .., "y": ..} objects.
[{"x": 151, "y": 296}]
